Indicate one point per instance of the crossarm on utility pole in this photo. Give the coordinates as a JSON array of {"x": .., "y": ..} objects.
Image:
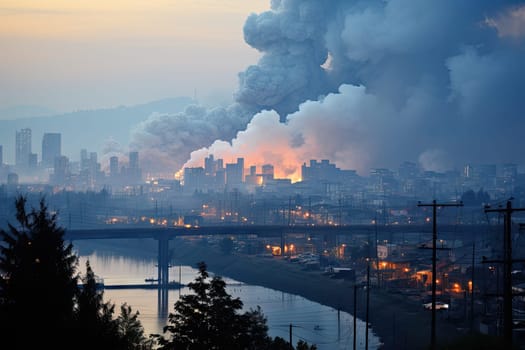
[
  {"x": 434, "y": 206},
  {"x": 507, "y": 270}
]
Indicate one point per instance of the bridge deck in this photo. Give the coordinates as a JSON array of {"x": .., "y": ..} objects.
[{"x": 108, "y": 232}]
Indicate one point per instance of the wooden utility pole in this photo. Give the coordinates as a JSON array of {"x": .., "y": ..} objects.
[
  {"x": 472, "y": 288},
  {"x": 367, "y": 299},
  {"x": 355, "y": 316},
  {"x": 376, "y": 252},
  {"x": 507, "y": 270},
  {"x": 291, "y": 344},
  {"x": 434, "y": 206}
]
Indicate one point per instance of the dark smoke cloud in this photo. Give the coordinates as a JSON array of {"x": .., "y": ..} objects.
[
  {"x": 292, "y": 40},
  {"x": 165, "y": 141},
  {"x": 367, "y": 84}
]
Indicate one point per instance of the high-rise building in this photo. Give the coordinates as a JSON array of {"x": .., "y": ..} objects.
[
  {"x": 235, "y": 173},
  {"x": 240, "y": 162},
  {"x": 113, "y": 166},
  {"x": 133, "y": 160},
  {"x": 319, "y": 171},
  {"x": 51, "y": 149},
  {"x": 210, "y": 165},
  {"x": 23, "y": 148},
  {"x": 408, "y": 171},
  {"x": 33, "y": 160},
  {"x": 134, "y": 171},
  {"x": 509, "y": 171},
  {"x": 193, "y": 179},
  {"x": 84, "y": 160},
  {"x": 267, "y": 170},
  {"x": 61, "y": 169},
  {"x": 93, "y": 158}
]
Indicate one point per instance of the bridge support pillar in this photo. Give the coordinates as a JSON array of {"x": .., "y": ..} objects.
[{"x": 163, "y": 262}]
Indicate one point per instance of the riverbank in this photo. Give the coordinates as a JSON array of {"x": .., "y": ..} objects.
[{"x": 400, "y": 322}]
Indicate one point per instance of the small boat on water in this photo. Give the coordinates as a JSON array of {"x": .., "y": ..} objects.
[{"x": 150, "y": 280}]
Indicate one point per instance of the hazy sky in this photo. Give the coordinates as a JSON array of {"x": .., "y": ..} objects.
[
  {"x": 364, "y": 83},
  {"x": 68, "y": 55}
]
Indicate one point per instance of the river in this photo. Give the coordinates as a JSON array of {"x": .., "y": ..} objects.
[{"x": 312, "y": 322}]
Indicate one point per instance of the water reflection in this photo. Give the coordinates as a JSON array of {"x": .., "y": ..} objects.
[{"x": 311, "y": 322}]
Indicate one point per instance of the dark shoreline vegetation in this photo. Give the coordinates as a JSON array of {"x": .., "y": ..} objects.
[
  {"x": 40, "y": 280},
  {"x": 398, "y": 321}
]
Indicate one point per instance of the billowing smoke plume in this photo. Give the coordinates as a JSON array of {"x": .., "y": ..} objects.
[
  {"x": 291, "y": 39},
  {"x": 165, "y": 141},
  {"x": 366, "y": 84},
  {"x": 339, "y": 127}
]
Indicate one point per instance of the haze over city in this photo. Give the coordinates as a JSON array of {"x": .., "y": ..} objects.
[{"x": 353, "y": 82}]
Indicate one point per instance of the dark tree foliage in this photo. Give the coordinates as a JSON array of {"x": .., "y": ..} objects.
[
  {"x": 302, "y": 345},
  {"x": 279, "y": 343},
  {"x": 41, "y": 305},
  {"x": 38, "y": 281},
  {"x": 210, "y": 319},
  {"x": 130, "y": 329},
  {"x": 94, "y": 315}
]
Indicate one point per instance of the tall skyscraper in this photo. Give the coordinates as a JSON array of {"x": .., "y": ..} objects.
[
  {"x": 23, "y": 148},
  {"x": 33, "y": 160},
  {"x": 134, "y": 171},
  {"x": 235, "y": 173},
  {"x": 51, "y": 149},
  {"x": 113, "y": 166},
  {"x": 84, "y": 160},
  {"x": 61, "y": 170},
  {"x": 209, "y": 165},
  {"x": 133, "y": 160}
]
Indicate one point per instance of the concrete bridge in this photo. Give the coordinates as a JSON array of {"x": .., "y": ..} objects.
[
  {"x": 164, "y": 234},
  {"x": 156, "y": 232}
]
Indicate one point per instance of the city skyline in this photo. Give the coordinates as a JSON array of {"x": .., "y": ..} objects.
[
  {"x": 51, "y": 148},
  {"x": 310, "y": 93},
  {"x": 217, "y": 174}
]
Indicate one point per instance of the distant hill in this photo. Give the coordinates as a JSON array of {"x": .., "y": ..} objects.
[{"x": 89, "y": 129}]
